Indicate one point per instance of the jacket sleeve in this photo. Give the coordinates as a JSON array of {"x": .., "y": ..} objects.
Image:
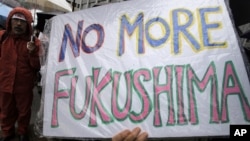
[
  {"x": 1, "y": 39},
  {"x": 34, "y": 55}
]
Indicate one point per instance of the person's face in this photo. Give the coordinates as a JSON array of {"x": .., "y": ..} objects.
[{"x": 18, "y": 26}]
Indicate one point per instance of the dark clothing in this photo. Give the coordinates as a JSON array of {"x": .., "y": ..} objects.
[
  {"x": 20, "y": 104},
  {"x": 20, "y": 66}
]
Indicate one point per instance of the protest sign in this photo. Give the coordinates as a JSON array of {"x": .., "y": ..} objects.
[{"x": 172, "y": 68}]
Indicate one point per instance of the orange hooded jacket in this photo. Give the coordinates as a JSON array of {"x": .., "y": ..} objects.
[{"x": 18, "y": 67}]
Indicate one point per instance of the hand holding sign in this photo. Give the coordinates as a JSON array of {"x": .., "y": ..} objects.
[
  {"x": 31, "y": 45},
  {"x": 133, "y": 135}
]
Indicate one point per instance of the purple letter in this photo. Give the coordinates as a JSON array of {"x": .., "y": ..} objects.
[{"x": 74, "y": 44}]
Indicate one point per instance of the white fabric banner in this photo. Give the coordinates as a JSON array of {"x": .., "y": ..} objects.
[{"x": 172, "y": 68}]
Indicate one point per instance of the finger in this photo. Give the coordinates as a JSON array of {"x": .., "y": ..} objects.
[
  {"x": 142, "y": 137},
  {"x": 134, "y": 133},
  {"x": 121, "y": 136},
  {"x": 30, "y": 47}
]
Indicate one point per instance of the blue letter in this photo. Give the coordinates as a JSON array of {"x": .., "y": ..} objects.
[
  {"x": 74, "y": 44},
  {"x": 178, "y": 28},
  {"x": 154, "y": 42},
  {"x": 130, "y": 29}
]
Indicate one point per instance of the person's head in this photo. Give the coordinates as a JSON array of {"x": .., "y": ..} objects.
[{"x": 19, "y": 22}]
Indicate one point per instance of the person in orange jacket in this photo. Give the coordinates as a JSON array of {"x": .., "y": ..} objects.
[{"x": 19, "y": 64}]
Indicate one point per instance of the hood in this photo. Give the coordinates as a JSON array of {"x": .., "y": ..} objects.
[{"x": 28, "y": 17}]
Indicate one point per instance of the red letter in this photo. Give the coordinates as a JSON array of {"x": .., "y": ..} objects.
[
  {"x": 119, "y": 113},
  {"x": 163, "y": 88},
  {"x": 59, "y": 94},
  {"x": 233, "y": 88},
  {"x": 96, "y": 103},
  {"x": 142, "y": 93},
  {"x": 210, "y": 76},
  {"x": 87, "y": 97}
]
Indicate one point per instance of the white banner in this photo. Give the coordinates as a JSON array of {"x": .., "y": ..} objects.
[{"x": 172, "y": 68}]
